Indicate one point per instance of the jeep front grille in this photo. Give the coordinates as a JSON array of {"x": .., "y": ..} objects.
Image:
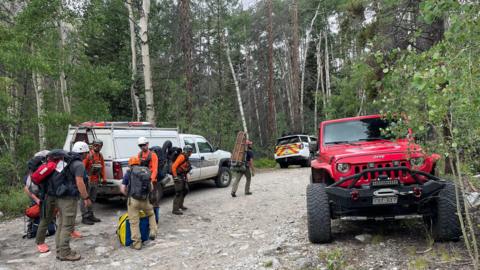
[{"x": 374, "y": 175}]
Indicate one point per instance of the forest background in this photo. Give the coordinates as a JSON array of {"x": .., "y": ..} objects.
[{"x": 293, "y": 63}]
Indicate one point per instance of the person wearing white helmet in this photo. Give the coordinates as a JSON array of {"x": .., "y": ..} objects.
[
  {"x": 68, "y": 190},
  {"x": 148, "y": 158}
]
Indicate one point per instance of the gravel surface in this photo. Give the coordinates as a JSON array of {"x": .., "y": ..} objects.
[{"x": 266, "y": 230}]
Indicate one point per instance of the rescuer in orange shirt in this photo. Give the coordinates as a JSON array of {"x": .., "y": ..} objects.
[{"x": 180, "y": 168}]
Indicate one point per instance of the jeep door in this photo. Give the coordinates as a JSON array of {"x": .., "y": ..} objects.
[
  {"x": 195, "y": 160},
  {"x": 208, "y": 158}
]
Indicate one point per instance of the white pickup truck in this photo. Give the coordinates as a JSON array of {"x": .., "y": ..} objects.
[{"x": 120, "y": 143}]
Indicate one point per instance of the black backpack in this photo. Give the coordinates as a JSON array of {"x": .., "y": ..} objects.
[
  {"x": 63, "y": 184},
  {"x": 139, "y": 186},
  {"x": 35, "y": 162},
  {"x": 172, "y": 156}
]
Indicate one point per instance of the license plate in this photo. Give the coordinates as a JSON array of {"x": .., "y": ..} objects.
[{"x": 385, "y": 200}]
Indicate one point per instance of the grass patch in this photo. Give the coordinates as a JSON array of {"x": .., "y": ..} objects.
[
  {"x": 418, "y": 264},
  {"x": 334, "y": 259},
  {"x": 268, "y": 264},
  {"x": 13, "y": 202},
  {"x": 377, "y": 239},
  {"x": 264, "y": 163}
]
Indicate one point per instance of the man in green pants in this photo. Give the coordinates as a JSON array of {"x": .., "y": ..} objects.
[
  {"x": 67, "y": 186},
  {"x": 248, "y": 172}
]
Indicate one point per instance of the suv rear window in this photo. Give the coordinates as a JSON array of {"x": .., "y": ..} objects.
[{"x": 287, "y": 140}]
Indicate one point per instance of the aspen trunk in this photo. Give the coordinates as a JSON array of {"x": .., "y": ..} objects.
[
  {"x": 63, "y": 80},
  {"x": 133, "y": 94},
  {"x": 327, "y": 68},
  {"x": 237, "y": 88},
  {"x": 147, "y": 74},
  {"x": 271, "y": 97},
  {"x": 38, "y": 87},
  {"x": 319, "y": 81},
  {"x": 304, "y": 61},
  {"x": 186, "y": 42},
  {"x": 295, "y": 69}
]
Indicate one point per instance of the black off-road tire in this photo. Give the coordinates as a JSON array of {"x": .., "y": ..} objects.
[
  {"x": 445, "y": 222},
  {"x": 283, "y": 165},
  {"x": 224, "y": 177},
  {"x": 318, "y": 214}
]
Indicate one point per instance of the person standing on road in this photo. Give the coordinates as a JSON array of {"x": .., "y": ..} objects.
[
  {"x": 248, "y": 172},
  {"x": 180, "y": 169},
  {"x": 132, "y": 187},
  {"x": 68, "y": 186},
  {"x": 95, "y": 167},
  {"x": 148, "y": 158}
]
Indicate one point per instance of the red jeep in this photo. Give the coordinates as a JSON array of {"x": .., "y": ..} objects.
[{"x": 362, "y": 174}]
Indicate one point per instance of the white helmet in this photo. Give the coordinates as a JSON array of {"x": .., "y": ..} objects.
[
  {"x": 142, "y": 140},
  {"x": 80, "y": 147}
]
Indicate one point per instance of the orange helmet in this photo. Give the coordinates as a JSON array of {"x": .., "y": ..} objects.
[{"x": 133, "y": 161}]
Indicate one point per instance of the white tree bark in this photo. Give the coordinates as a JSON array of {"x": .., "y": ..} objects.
[
  {"x": 304, "y": 61},
  {"x": 327, "y": 68},
  {"x": 63, "y": 80},
  {"x": 147, "y": 73},
  {"x": 38, "y": 87},
  {"x": 237, "y": 88},
  {"x": 319, "y": 80},
  {"x": 133, "y": 94}
]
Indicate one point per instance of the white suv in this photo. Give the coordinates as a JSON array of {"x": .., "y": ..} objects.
[
  {"x": 120, "y": 143},
  {"x": 294, "y": 150}
]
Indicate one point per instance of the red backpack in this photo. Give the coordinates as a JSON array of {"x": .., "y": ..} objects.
[{"x": 43, "y": 172}]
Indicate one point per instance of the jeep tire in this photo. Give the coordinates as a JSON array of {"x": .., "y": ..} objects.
[
  {"x": 445, "y": 221},
  {"x": 223, "y": 178},
  {"x": 318, "y": 214}
]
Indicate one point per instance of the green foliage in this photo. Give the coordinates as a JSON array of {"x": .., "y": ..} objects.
[
  {"x": 334, "y": 259},
  {"x": 13, "y": 202},
  {"x": 264, "y": 163}
]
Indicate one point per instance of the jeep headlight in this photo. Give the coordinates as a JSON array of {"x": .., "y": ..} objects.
[
  {"x": 417, "y": 162},
  {"x": 343, "y": 167}
]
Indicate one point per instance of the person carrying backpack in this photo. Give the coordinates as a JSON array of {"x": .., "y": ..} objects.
[
  {"x": 95, "y": 166},
  {"x": 249, "y": 172},
  {"x": 148, "y": 158},
  {"x": 180, "y": 169},
  {"x": 48, "y": 202},
  {"x": 137, "y": 185},
  {"x": 67, "y": 185}
]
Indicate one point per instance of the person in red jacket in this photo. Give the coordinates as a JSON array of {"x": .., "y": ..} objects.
[
  {"x": 180, "y": 169},
  {"x": 95, "y": 167}
]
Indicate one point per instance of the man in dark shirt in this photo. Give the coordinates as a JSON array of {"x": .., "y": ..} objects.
[
  {"x": 248, "y": 172},
  {"x": 67, "y": 202}
]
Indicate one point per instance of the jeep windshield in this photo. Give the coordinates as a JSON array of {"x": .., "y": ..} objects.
[{"x": 355, "y": 131}]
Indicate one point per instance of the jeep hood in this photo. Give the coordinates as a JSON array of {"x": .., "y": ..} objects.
[{"x": 362, "y": 152}]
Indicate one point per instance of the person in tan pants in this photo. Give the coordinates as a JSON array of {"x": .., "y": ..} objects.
[{"x": 135, "y": 205}]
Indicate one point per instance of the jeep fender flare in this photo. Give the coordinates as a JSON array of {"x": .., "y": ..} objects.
[{"x": 321, "y": 173}]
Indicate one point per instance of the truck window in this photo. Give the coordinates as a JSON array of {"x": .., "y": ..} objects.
[
  {"x": 189, "y": 141},
  {"x": 287, "y": 140},
  {"x": 204, "y": 146},
  {"x": 304, "y": 138}
]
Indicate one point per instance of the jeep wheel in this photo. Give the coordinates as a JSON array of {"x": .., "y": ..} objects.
[
  {"x": 318, "y": 214},
  {"x": 224, "y": 177},
  {"x": 445, "y": 222},
  {"x": 283, "y": 165}
]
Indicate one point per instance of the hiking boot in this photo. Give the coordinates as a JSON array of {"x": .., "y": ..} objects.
[
  {"x": 136, "y": 247},
  {"x": 70, "y": 257},
  {"x": 233, "y": 194},
  {"x": 248, "y": 193},
  {"x": 183, "y": 208},
  {"x": 76, "y": 235},
  {"x": 152, "y": 237},
  {"x": 94, "y": 219},
  {"x": 87, "y": 221},
  {"x": 43, "y": 248},
  {"x": 177, "y": 212}
]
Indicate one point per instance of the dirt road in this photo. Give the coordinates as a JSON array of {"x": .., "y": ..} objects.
[{"x": 264, "y": 231}]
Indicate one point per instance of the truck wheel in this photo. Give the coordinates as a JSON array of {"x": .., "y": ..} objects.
[
  {"x": 318, "y": 214},
  {"x": 224, "y": 177},
  {"x": 283, "y": 165},
  {"x": 445, "y": 221}
]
